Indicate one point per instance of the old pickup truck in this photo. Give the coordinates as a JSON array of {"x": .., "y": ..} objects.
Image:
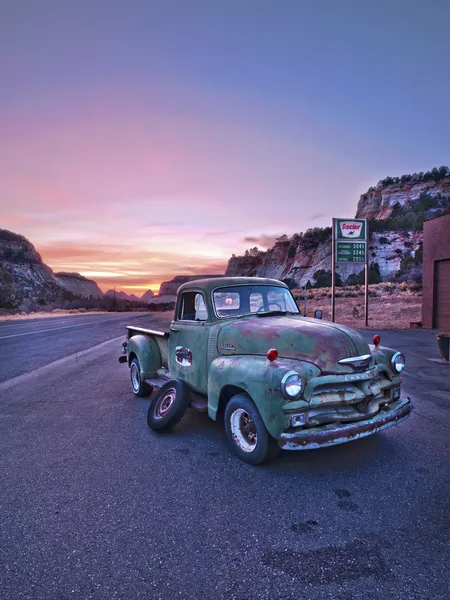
[{"x": 239, "y": 349}]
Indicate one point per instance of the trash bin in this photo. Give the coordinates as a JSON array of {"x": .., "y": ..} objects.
[{"x": 443, "y": 342}]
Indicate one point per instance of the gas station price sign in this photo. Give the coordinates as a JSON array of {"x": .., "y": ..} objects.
[{"x": 354, "y": 252}]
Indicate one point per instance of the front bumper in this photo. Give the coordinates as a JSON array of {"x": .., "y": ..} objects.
[{"x": 329, "y": 435}]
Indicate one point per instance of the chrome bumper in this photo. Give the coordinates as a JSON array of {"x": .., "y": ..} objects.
[{"x": 329, "y": 435}]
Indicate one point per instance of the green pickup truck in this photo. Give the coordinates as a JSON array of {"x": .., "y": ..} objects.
[{"x": 239, "y": 349}]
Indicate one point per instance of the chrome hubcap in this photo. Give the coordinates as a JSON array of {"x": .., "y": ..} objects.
[
  {"x": 243, "y": 430},
  {"x": 135, "y": 378},
  {"x": 164, "y": 403}
]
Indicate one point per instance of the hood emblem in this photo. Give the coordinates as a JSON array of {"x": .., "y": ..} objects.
[
  {"x": 357, "y": 362},
  {"x": 227, "y": 347}
]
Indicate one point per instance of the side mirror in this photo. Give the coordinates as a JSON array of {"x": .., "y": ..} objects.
[{"x": 317, "y": 314}]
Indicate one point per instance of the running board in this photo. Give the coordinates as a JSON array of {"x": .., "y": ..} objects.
[
  {"x": 199, "y": 403},
  {"x": 157, "y": 382}
]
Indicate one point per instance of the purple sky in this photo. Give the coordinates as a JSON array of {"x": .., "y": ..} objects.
[{"x": 144, "y": 139}]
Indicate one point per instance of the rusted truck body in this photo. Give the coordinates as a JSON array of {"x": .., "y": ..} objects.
[{"x": 239, "y": 348}]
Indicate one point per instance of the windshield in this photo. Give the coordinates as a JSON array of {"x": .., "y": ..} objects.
[{"x": 237, "y": 300}]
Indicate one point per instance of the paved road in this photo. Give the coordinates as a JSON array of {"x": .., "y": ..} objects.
[
  {"x": 28, "y": 344},
  {"x": 95, "y": 505}
]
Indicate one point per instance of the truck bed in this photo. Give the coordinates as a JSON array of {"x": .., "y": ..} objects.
[
  {"x": 160, "y": 337},
  {"x": 147, "y": 331}
]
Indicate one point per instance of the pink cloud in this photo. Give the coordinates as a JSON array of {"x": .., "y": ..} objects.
[{"x": 107, "y": 188}]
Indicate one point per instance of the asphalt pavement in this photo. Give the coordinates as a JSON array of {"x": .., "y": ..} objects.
[
  {"x": 26, "y": 345},
  {"x": 95, "y": 505}
]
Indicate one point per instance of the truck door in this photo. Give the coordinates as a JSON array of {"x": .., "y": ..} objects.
[{"x": 189, "y": 341}]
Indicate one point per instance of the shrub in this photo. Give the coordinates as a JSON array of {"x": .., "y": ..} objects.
[
  {"x": 374, "y": 275},
  {"x": 357, "y": 311},
  {"x": 291, "y": 283},
  {"x": 435, "y": 174},
  {"x": 8, "y": 297},
  {"x": 411, "y": 216},
  {"x": 316, "y": 236},
  {"x": 323, "y": 279}
]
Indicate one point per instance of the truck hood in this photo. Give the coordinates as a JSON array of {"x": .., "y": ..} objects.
[{"x": 319, "y": 342}]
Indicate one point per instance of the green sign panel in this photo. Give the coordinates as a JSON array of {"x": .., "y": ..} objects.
[
  {"x": 350, "y": 241},
  {"x": 354, "y": 252},
  {"x": 351, "y": 229}
]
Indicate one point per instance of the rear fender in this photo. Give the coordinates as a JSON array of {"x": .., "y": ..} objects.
[
  {"x": 260, "y": 379},
  {"x": 146, "y": 349}
]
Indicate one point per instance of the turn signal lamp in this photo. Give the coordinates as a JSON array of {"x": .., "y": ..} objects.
[
  {"x": 376, "y": 340},
  {"x": 272, "y": 354}
]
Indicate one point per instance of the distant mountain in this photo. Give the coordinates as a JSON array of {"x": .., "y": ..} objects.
[
  {"x": 26, "y": 282},
  {"x": 421, "y": 195},
  {"x": 24, "y": 278},
  {"x": 169, "y": 288},
  {"x": 147, "y": 296},
  {"x": 79, "y": 285},
  {"x": 122, "y": 296}
]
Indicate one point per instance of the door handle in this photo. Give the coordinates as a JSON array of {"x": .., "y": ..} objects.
[{"x": 174, "y": 329}]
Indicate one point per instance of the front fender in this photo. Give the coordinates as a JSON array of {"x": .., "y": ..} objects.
[
  {"x": 382, "y": 356},
  {"x": 147, "y": 352},
  {"x": 260, "y": 379}
]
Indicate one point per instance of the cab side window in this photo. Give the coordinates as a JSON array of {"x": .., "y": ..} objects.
[
  {"x": 201, "y": 313},
  {"x": 192, "y": 307}
]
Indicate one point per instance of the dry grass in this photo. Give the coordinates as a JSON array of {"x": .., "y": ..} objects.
[{"x": 391, "y": 305}]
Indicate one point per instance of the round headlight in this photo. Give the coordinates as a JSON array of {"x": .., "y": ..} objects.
[
  {"x": 398, "y": 362},
  {"x": 291, "y": 385}
]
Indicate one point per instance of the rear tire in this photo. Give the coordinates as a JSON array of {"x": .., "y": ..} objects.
[
  {"x": 138, "y": 385},
  {"x": 246, "y": 432},
  {"x": 168, "y": 405}
]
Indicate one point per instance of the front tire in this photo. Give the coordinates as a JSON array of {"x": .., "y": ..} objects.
[
  {"x": 138, "y": 385},
  {"x": 168, "y": 406},
  {"x": 246, "y": 432}
]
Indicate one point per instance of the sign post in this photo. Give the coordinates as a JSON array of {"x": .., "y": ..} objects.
[{"x": 350, "y": 245}]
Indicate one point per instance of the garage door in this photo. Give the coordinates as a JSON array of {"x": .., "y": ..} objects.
[{"x": 442, "y": 295}]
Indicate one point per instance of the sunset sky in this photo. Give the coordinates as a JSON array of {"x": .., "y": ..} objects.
[{"x": 144, "y": 139}]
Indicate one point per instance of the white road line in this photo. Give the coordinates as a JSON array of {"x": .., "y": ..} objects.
[
  {"x": 49, "y": 320},
  {"x": 4, "y": 337},
  {"x": 53, "y": 321},
  {"x": 38, "y": 321},
  {"x": 50, "y": 368}
]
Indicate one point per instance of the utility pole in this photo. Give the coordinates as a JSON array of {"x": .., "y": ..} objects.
[
  {"x": 366, "y": 278},
  {"x": 333, "y": 271},
  {"x": 114, "y": 299}
]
